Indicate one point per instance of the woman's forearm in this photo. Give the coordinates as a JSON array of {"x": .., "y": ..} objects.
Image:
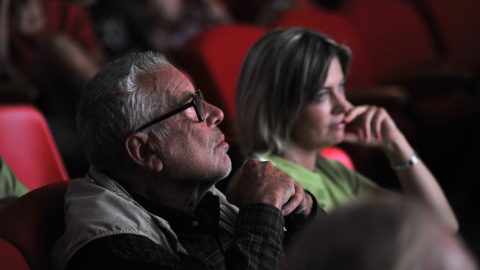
[{"x": 418, "y": 182}]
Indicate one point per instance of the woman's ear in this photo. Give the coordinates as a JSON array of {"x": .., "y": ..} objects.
[{"x": 140, "y": 149}]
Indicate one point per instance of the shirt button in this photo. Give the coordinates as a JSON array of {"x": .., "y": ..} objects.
[{"x": 195, "y": 223}]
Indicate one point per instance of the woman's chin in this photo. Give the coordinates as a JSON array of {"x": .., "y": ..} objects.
[{"x": 338, "y": 137}]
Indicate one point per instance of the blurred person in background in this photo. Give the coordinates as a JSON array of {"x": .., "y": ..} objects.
[
  {"x": 50, "y": 33},
  {"x": 379, "y": 234},
  {"x": 125, "y": 26},
  {"x": 174, "y": 22},
  {"x": 51, "y": 45}
]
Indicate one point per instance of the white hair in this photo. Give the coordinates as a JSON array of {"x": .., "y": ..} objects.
[{"x": 114, "y": 104}]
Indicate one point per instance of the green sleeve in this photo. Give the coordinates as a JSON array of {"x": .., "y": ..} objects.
[
  {"x": 362, "y": 185},
  {"x": 10, "y": 186}
]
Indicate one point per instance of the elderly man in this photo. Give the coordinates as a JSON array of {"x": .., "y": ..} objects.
[{"x": 149, "y": 200}]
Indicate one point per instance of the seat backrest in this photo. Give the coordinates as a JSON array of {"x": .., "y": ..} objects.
[
  {"x": 33, "y": 222},
  {"x": 339, "y": 29},
  {"x": 214, "y": 59},
  {"x": 338, "y": 154},
  {"x": 11, "y": 257},
  {"x": 459, "y": 25},
  {"x": 27, "y": 146},
  {"x": 251, "y": 10},
  {"x": 394, "y": 34}
]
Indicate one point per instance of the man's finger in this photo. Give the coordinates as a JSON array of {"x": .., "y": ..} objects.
[{"x": 294, "y": 201}]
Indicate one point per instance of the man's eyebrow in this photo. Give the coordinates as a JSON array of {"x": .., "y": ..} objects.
[
  {"x": 343, "y": 81},
  {"x": 186, "y": 96}
]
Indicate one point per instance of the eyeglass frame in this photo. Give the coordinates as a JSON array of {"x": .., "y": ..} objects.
[{"x": 196, "y": 103}]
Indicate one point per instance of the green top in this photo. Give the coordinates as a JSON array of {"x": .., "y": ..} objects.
[
  {"x": 10, "y": 186},
  {"x": 331, "y": 183}
]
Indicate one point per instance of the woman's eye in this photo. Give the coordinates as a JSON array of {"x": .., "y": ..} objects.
[
  {"x": 341, "y": 88},
  {"x": 321, "y": 96}
]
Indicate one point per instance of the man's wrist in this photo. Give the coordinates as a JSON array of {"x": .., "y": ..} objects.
[{"x": 260, "y": 215}]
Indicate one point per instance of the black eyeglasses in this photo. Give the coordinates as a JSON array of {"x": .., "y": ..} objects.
[{"x": 197, "y": 103}]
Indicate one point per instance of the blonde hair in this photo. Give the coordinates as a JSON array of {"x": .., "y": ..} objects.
[{"x": 280, "y": 76}]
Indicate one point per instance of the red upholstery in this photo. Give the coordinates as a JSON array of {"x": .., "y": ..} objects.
[
  {"x": 214, "y": 59},
  {"x": 340, "y": 30},
  {"x": 10, "y": 257},
  {"x": 337, "y": 154},
  {"x": 250, "y": 10},
  {"x": 33, "y": 222},
  {"x": 27, "y": 146},
  {"x": 394, "y": 34},
  {"x": 459, "y": 25},
  {"x": 245, "y": 10}
]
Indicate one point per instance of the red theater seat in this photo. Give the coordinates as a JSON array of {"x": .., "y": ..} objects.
[
  {"x": 27, "y": 146},
  {"x": 11, "y": 257},
  {"x": 338, "y": 28},
  {"x": 33, "y": 222},
  {"x": 338, "y": 154},
  {"x": 394, "y": 34},
  {"x": 459, "y": 25},
  {"x": 214, "y": 59}
]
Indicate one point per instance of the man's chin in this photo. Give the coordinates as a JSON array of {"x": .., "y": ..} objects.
[
  {"x": 223, "y": 169},
  {"x": 228, "y": 168}
]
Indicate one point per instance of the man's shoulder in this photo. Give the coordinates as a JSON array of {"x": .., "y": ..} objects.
[
  {"x": 107, "y": 209},
  {"x": 94, "y": 211}
]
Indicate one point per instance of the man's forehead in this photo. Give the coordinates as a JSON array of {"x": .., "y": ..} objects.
[
  {"x": 171, "y": 85},
  {"x": 177, "y": 83}
]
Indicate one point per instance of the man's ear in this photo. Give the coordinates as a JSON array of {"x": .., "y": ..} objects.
[{"x": 140, "y": 150}]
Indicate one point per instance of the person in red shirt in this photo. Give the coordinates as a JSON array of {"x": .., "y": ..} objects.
[
  {"x": 52, "y": 33},
  {"x": 51, "y": 45}
]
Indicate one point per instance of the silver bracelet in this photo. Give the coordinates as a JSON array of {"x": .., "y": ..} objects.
[{"x": 414, "y": 159}]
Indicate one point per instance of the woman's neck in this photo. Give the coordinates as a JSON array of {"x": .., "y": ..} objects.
[{"x": 304, "y": 157}]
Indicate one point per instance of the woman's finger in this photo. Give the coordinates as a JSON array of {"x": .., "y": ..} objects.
[{"x": 352, "y": 114}]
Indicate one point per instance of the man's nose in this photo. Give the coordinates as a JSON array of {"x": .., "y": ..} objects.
[{"x": 213, "y": 115}]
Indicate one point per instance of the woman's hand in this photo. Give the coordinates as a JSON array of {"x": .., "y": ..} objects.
[{"x": 371, "y": 126}]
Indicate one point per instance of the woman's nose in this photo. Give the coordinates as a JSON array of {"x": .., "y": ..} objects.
[{"x": 342, "y": 105}]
